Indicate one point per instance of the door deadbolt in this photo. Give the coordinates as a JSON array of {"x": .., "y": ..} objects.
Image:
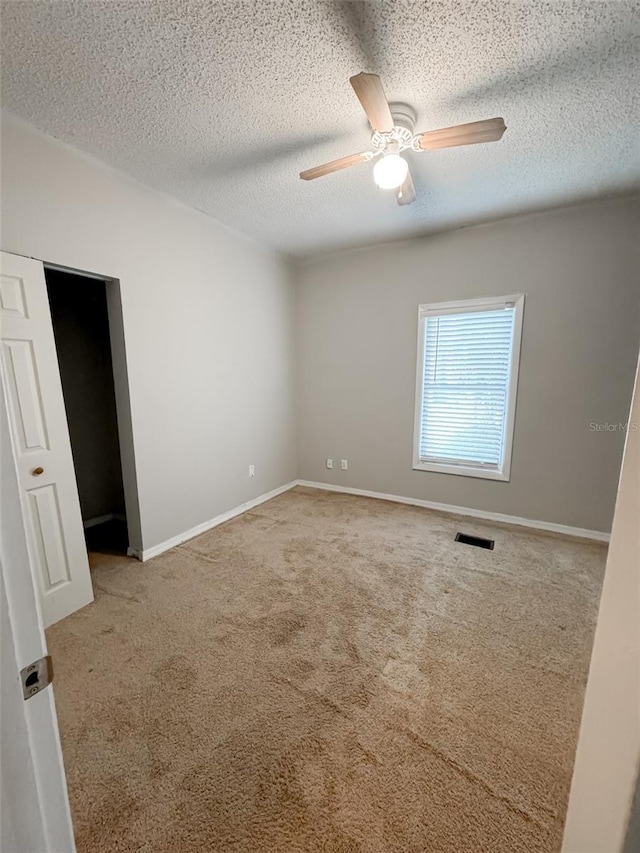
[{"x": 37, "y": 471}]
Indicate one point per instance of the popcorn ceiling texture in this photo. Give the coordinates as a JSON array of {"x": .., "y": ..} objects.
[
  {"x": 329, "y": 673},
  {"x": 222, "y": 104}
]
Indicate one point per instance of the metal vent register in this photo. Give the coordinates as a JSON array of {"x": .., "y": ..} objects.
[{"x": 478, "y": 541}]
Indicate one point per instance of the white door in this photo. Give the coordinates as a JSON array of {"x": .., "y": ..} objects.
[
  {"x": 40, "y": 439},
  {"x": 34, "y": 805}
]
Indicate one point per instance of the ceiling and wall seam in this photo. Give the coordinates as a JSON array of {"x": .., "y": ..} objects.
[
  {"x": 345, "y": 251},
  {"x": 135, "y": 182},
  {"x": 293, "y": 261},
  {"x": 221, "y": 104}
]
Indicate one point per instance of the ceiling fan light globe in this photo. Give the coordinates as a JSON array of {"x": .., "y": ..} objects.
[{"x": 390, "y": 171}]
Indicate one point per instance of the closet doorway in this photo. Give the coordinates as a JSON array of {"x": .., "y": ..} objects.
[{"x": 80, "y": 319}]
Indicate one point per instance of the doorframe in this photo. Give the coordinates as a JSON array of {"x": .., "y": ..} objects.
[{"x": 123, "y": 400}]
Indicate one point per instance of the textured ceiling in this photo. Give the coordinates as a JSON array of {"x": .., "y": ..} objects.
[{"x": 221, "y": 104}]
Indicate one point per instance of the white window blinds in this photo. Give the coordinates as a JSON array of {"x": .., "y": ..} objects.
[{"x": 467, "y": 364}]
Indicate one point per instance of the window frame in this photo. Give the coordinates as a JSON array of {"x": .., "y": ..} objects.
[{"x": 466, "y": 306}]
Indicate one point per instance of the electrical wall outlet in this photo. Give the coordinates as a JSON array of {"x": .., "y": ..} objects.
[
  {"x": 344, "y": 464},
  {"x": 329, "y": 462},
  {"x": 252, "y": 470}
]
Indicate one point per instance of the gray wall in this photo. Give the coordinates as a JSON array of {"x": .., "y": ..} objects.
[
  {"x": 356, "y": 348},
  {"x": 208, "y": 327},
  {"x": 207, "y": 320}
]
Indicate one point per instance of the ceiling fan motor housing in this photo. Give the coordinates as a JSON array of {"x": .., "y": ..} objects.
[{"x": 404, "y": 120}]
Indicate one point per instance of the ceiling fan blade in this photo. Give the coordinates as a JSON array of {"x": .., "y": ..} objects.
[
  {"x": 335, "y": 166},
  {"x": 489, "y": 130},
  {"x": 371, "y": 95},
  {"x": 406, "y": 194}
]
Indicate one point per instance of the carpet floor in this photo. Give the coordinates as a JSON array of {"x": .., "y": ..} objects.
[{"x": 329, "y": 673}]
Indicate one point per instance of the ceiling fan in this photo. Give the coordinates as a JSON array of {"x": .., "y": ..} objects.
[{"x": 393, "y": 132}]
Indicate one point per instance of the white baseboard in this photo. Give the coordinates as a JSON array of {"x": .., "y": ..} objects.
[
  {"x": 147, "y": 553},
  {"x": 549, "y": 526}
]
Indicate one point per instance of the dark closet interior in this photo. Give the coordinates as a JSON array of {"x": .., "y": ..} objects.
[{"x": 81, "y": 330}]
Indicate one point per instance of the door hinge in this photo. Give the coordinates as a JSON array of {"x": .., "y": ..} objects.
[{"x": 36, "y": 676}]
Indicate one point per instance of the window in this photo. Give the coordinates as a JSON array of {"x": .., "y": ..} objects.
[{"x": 467, "y": 376}]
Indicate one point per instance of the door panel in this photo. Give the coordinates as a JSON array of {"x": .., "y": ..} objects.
[
  {"x": 12, "y": 298},
  {"x": 46, "y": 525},
  {"x": 26, "y": 400},
  {"x": 40, "y": 439}
]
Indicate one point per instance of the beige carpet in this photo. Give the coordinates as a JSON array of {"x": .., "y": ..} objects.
[{"x": 329, "y": 673}]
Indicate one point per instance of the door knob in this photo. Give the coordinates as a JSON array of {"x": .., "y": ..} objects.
[{"x": 37, "y": 471}]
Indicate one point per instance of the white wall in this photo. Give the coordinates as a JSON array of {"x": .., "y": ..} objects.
[
  {"x": 356, "y": 346},
  {"x": 608, "y": 756},
  {"x": 208, "y": 326}
]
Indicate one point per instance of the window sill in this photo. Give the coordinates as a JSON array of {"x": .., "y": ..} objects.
[{"x": 463, "y": 471}]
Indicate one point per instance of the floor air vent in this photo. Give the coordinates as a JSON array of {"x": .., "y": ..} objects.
[{"x": 478, "y": 541}]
